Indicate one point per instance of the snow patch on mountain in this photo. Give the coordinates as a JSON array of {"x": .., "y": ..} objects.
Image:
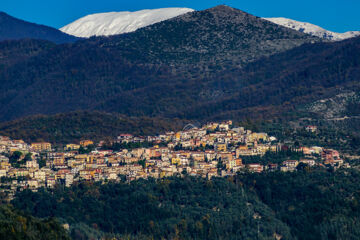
[
  {"x": 313, "y": 29},
  {"x": 112, "y": 23}
]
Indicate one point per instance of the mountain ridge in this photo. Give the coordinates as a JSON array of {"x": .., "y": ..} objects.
[
  {"x": 12, "y": 28},
  {"x": 168, "y": 69},
  {"x": 114, "y": 23},
  {"x": 313, "y": 29}
]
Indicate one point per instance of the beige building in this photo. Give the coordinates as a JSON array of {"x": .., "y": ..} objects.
[
  {"x": 41, "y": 146},
  {"x": 86, "y": 143}
]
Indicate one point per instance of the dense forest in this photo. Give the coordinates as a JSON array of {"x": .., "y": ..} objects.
[
  {"x": 80, "y": 125},
  {"x": 315, "y": 204},
  {"x": 174, "y": 208},
  {"x": 307, "y": 204},
  {"x": 14, "y": 225}
]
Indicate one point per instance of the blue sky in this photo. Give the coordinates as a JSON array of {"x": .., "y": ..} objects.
[{"x": 334, "y": 15}]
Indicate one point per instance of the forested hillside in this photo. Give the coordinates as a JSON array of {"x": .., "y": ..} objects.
[
  {"x": 14, "y": 52},
  {"x": 15, "y": 225},
  {"x": 156, "y": 71},
  {"x": 203, "y": 66},
  {"x": 307, "y": 204},
  {"x": 76, "y": 126},
  {"x": 315, "y": 204},
  {"x": 175, "y": 208},
  {"x": 283, "y": 83},
  {"x": 262, "y": 90}
]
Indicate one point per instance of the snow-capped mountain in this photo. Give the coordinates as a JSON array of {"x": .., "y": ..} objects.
[
  {"x": 112, "y": 23},
  {"x": 313, "y": 29}
]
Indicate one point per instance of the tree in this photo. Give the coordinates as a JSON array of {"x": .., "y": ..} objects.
[
  {"x": 41, "y": 162},
  {"x": 27, "y": 157},
  {"x": 14, "y": 159},
  {"x": 302, "y": 167},
  {"x": 142, "y": 163}
]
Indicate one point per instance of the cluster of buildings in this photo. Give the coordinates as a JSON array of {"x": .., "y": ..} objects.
[{"x": 215, "y": 149}]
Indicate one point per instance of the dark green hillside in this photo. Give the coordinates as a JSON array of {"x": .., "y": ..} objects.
[
  {"x": 16, "y": 226},
  {"x": 75, "y": 126},
  {"x": 315, "y": 204},
  {"x": 175, "y": 208},
  {"x": 305, "y": 205}
]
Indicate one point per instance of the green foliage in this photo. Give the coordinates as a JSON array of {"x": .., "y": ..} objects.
[
  {"x": 328, "y": 135},
  {"x": 14, "y": 159},
  {"x": 142, "y": 163},
  {"x": 87, "y": 149},
  {"x": 273, "y": 157},
  {"x": 189, "y": 208},
  {"x": 75, "y": 126},
  {"x": 28, "y": 157},
  {"x": 305, "y": 205},
  {"x": 342, "y": 135},
  {"x": 16, "y": 226},
  {"x": 41, "y": 160},
  {"x": 220, "y": 165},
  {"x": 131, "y": 145},
  {"x": 315, "y": 204}
]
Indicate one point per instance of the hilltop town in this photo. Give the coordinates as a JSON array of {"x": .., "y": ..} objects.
[{"x": 213, "y": 150}]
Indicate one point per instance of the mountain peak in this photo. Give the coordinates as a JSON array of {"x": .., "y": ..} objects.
[
  {"x": 211, "y": 33},
  {"x": 222, "y": 7},
  {"x": 225, "y": 10}
]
